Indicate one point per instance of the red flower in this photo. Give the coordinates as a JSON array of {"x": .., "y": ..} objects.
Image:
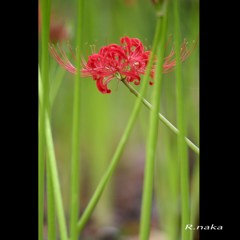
[
  {"x": 125, "y": 61},
  {"x": 58, "y": 30}
]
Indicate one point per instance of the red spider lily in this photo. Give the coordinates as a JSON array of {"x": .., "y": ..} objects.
[{"x": 125, "y": 61}]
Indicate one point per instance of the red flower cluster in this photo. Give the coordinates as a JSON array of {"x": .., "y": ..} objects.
[{"x": 125, "y": 61}]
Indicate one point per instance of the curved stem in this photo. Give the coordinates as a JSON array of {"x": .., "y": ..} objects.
[
  {"x": 115, "y": 159},
  {"x": 160, "y": 116}
]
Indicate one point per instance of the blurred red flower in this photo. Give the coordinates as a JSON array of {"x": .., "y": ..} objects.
[
  {"x": 125, "y": 61},
  {"x": 58, "y": 30}
]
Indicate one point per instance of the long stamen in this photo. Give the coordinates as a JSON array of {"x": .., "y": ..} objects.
[
  {"x": 70, "y": 49},
  {"x": 62, "y": 60},
  {"x": 64, "y": 56}
]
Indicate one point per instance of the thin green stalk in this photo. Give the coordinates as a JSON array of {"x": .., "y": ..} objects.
[
  {"x": 53, "y": 165},
  {"x": 173, "y": 191},
  {"x": 55, "y": 180},
  {"x": 50, "y": 204},
  {"x": 54, "y": 88},
  {"x": 45, "y": 12},
  {"x": 166, "y": 187},
  {"x": 161, "y": 117},
  {"x": 146, "y": 208},
  {"x": 115, "y": 159},
  {"x": 41, "y": 155},
  {"x": 50, "y": 198},
  {"x": 75, "y": 161},
  {"x": 182, "y": 147},
  {"x": 195, "y": 197}
]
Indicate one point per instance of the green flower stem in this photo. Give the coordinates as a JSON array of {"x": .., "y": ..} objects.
[
  {"x": 103, "y": 182},
  {"x": 53, "y": 166},
  {"x": 161, "y": 117},
  {"x": 41, "y": 155},
  {"x": 195, "y": 196},
  {"x": 146, "y": 209},
  {"x": 50, "y": 204},
  {"x": 182, "y": 147},
  {"x": 50, "y": 196},
  {"x": 172, "y": 191},
  {"x": 55, "y": 180},
  {"x": 76, "y": 129},
  {"x": 45, "y": 11}
]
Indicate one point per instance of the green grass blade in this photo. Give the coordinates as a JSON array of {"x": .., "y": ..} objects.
[
  {"x": 45, "y": 25},
  {"x": 75, "y": 161},
  {"x": 53, "y": 166},
  {"x": 50, "y": 204},
  {"x": 146, "y": 208},
  {"x": 41, "y": 156},
  {"x": 195, "y": 196},
  {"x": 182, "y": 147}
]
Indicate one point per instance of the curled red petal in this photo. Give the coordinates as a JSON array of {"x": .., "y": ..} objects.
[{"x": 102, "y": 87}]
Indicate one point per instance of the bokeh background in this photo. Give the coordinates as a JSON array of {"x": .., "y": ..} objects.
[{"x": 104, "y": 117}]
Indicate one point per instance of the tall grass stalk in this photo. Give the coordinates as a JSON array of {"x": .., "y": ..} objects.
[
  {"x": 115, "y": 159},
  {"x": 182, "y": 147},
  {"x": 146, "y": 208},
  {"x": 173, "y": 191},
  {"x": 41, "y": 144},
  {"x": 52, "y": 165},
  {"x": 195, "y": 196},
  {"x": 166, "y": 187},
  {"x": 45, "y": 26},
  {"x": 50, "y": 195},
  {"x": 41, "y": 155},
  {"x": 50, "y": 203},
  {"x": 75, "y": 161}
]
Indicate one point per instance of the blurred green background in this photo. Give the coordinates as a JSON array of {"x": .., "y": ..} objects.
[{"x": 104, "y": 116}]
